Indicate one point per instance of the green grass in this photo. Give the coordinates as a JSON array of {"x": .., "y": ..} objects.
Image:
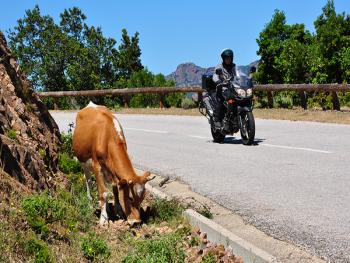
[
  {"x": 158, "y": 249},
  {"x": 39, "y": 250},
  {"x": 42, "y": 210}
]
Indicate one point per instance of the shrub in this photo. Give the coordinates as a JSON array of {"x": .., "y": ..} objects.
[
  {"x": 67, "y": 164},
  {"x": 321, "y": 99},
  {"x": 174, "y": 99},
  {"x": 188, "y": 103},
  {"x": 94, "y": 248},
  {"x": 66, "y": 142},
  {"x": 42, "y": 210},
  {"x": 165, "y": 248},
  {"x": 166, "y": 210}
]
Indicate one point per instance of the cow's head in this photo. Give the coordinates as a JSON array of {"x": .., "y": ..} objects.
[{"x": 131, "y": 195}]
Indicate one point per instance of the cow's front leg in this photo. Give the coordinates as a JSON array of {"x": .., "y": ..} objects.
[
  {"x": 102, "y": 193},
  {"x": 117, "y": 207}
]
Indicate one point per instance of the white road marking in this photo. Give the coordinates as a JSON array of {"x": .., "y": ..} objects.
[
  {"x": 145, "y": 130},
  {"x": 294, "y": 148},
  {"x": 198, "y": 137}
]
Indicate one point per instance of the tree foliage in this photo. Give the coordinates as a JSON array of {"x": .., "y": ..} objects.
[
  {"x": 291, "y": 54},
  {"x": 72, "y": 55}
]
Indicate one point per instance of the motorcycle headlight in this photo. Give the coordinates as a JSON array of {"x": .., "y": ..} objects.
[
  {"x": 241, "y": 93},
  {"x": 249, "y": 92}
]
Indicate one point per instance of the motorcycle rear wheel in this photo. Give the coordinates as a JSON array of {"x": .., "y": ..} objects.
[{"x": 248, "y": 128}]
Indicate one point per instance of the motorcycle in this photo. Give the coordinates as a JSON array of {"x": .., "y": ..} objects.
[{"x": 237, "y": 93}]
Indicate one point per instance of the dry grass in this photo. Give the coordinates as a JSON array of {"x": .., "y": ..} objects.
[{"x": 341, "y": 117}]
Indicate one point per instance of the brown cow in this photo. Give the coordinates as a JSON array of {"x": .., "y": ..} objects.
[{"x": 100, "y": 146}]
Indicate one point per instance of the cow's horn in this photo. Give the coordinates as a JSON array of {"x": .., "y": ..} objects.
[{"x": 150, "y": 178}]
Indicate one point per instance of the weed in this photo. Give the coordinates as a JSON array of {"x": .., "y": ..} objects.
[
  {"x": 209, "y": 258},
  {"x": 205, "y": 211},
  {"x": 42, "y": 153},
  {"x": 194, "y": 241},
  {"x": 94, "y": 248},
  {"x": 11, "y": 134}
]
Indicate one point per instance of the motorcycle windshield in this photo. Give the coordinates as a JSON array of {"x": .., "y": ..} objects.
[{"x": 243, "y": 81}]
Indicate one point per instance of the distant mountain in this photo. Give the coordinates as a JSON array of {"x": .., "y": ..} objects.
[{"x": 189, "y": 74}]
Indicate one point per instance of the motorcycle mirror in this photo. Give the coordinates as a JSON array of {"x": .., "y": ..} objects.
[
  {"x": 252, "y": 69},
  {"x": 218, "y": 71}
]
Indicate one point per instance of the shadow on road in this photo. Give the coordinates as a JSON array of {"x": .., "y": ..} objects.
[{"x": 233, "y": 140}]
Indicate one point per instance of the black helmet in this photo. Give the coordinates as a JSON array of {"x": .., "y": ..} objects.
[{"x": 227, "y": 53}]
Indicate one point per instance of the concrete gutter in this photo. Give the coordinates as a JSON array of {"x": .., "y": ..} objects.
[{"x": 219, "y": 235}]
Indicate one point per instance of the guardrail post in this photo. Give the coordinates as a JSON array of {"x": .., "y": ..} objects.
[
  {"x": 161, "y": 102},
  {"x": 55, "y": 103},
  {"x": 303, "y": 99},
  {"x": 270, "y": 99},
  {"x": 335, "y": 100},
  {"x": 126, "y": 101}
]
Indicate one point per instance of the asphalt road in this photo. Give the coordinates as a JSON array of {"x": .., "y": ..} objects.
[{"x": 293, "y": 184}]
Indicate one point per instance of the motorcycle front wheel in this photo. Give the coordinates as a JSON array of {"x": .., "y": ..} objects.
[
  {"x": 247, "y": 128},
  {"x": 218, "y": 137}
]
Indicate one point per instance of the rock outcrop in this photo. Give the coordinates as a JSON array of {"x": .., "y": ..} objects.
[
  {"x": 189, "y": 74},
  {"x": 29, "y": 136}
]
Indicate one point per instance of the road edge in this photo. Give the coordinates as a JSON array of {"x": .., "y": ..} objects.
[{"x": 220, "y": 235}]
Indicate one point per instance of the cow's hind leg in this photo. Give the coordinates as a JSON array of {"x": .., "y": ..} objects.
[
  {"x": 87, "y": 167},
  {"x": 102, "y": 192}
]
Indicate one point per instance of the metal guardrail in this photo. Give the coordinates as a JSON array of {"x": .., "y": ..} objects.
[{"x": 269, "y": 88}]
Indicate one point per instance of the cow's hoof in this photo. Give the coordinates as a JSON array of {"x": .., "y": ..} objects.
[{"x": 103, "y": 222}]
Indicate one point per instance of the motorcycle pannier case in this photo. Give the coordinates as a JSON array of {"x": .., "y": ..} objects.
[{"x": 208, "y": 83}]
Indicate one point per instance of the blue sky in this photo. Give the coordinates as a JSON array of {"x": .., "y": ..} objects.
[{"x": 174, "y": 32}]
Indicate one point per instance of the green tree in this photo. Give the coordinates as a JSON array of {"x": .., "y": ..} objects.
[
  {"x": 333, "y": 35},
  {"x": 270, "y": 43},
  {"x": 129, "y": 54}
]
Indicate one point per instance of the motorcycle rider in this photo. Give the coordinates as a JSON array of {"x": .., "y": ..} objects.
[{"x": 228, "y": 70}]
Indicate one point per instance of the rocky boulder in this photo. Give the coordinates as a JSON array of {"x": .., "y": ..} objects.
[{"x": 29, "y": 136}]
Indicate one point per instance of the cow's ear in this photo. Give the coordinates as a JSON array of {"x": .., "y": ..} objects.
[{"x": 122, "y": 182}]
